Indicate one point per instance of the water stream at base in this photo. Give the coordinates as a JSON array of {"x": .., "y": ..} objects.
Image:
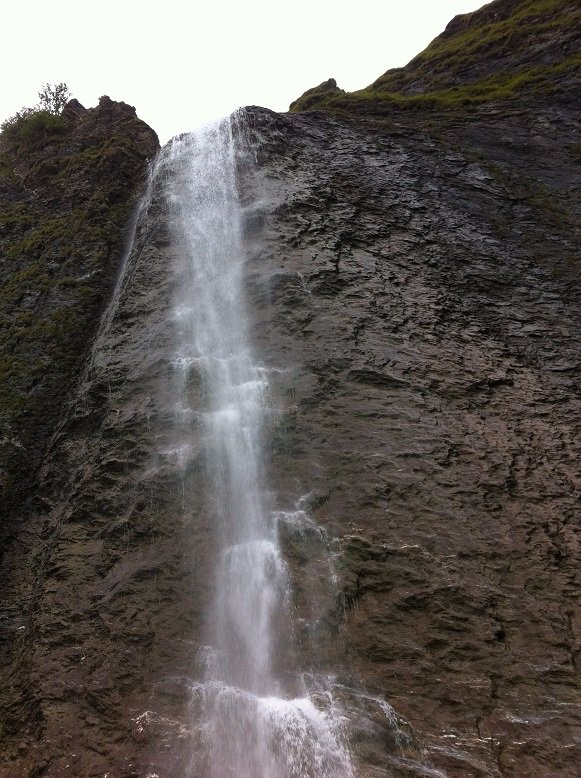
[{"x": 249, "y": 723}]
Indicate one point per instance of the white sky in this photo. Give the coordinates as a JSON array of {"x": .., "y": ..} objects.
[{"x": 184, "y": 63}]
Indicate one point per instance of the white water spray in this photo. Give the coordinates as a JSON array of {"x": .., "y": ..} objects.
[{"x": 247, "y": 724}]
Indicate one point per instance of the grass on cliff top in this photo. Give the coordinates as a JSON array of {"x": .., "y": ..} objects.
[
  {"x": 497, "y": 87},
  {"x": 471, "y": 64},
  {"x": 472, "y": 44},
  {"x": 30, "y": 128},
  {"x": 528, "y": 22}
]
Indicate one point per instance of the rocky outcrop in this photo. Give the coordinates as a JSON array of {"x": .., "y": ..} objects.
[
  {"x": 312, "y": 96},
  {"x": 67, "y": 185},
  {"x": 507, "y": 50}
]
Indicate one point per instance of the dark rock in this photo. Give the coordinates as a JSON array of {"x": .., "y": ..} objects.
[
  {"x": 312, "y": 96},
  {"x": 437, "y": 411},
  {"x": 65, "y": 196},
  {"x": 72, "y": 110},
  {"x": 67, "y": 189},
  {"x": 415, "y": 285}
]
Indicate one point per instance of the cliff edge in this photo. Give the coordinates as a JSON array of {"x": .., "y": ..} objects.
[{"x": 67, "y": 186}]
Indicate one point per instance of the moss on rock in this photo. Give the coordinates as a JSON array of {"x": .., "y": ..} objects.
[
  {"x": 508, "y": 49},
  {"x": 67, "y": 185}
]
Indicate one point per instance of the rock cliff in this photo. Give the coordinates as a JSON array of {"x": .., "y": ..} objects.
[
  {"x": 68, "y": 185},
  {"x": 413, "y": 276},
  {"x": 430, "y": 317}
]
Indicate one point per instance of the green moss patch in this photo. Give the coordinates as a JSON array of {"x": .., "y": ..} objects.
[
  {"x": 66, "y": 189},
  {"x": 531, "y": 52}
]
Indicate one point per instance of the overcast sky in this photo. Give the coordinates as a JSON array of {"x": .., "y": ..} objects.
[{"x": 184, "y": 63}]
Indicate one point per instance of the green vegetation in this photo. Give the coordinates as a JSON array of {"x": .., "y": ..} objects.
[
  {"x": 313, "y": 96},
  {"x": 40, "y": 122},
  {"x": 66, "y": 187},
  {"x": 53, "y": 98},
  {"x": 34, "y": 126},
  {"x": 500, "y": 86},
  {"x": 485, "y": 56},
  {"x": 528, "y": 23}
]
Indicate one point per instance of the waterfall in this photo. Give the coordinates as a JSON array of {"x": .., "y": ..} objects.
[{"x": 248, "y": 720}]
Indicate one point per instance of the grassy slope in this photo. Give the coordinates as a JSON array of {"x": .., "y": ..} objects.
[{"x": 506, "y": 49}]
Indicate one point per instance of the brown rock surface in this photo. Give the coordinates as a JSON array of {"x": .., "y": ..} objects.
[
  {"x": 428, "y": 319},
  {"x": 427, "y": 340},
  {"x": 415, "y": 287},
  {"x": 68, "y": 185}
]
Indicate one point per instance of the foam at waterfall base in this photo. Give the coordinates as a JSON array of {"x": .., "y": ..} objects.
[{"x": 269, "y": 736}]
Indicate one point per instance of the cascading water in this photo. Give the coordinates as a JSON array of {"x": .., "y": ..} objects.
[{"x": 249, "y": 723}]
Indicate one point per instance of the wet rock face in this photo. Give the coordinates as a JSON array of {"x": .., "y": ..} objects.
[
  {"x": 413, "y": 292},
  {"x": 425, "y": 313},
  {"x": 67, "y": 187}
]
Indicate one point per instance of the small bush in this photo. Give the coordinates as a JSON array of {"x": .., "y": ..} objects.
[
  {"x": 32, "y": 124},
  {"x": 53, "y": 98}
]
